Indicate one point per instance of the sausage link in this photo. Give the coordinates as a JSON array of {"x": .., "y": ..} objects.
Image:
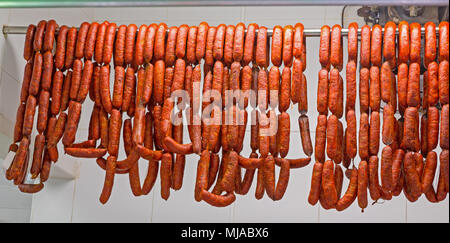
[
  {"x": 324, "y": 50},
  {"x": 335, "y": 96},
  {"x": 70, "y": 47},
  {"x": 228, "y": 45},
  {"x": 411, "y": 130},
  {"x": 44, "y": 100},
  {"x": 429, "y": 171},
  {"x": 39, "y": 144},
  {"x": 119, "y": 76},
  {"x": 60, "y": 52},
  {"x": 191, "y": 45},
  {"x": 288, "y": 39},
  {"x": 316, "y": 179},
  {"x": 109, "y": 43},
  {"x": 322, "y": 92},
  {"x": 149, "y": 42},
  {"x": 432, "y": 84},
  {"x": 99, "y": 42},
  {"x": 413, "y": 91},
  {"x": 28, "y": 44},
  {"x": 277, "y": 45},
  {"x": 364, "y": 136},
  {"x": 350, "y": 141},
  {"x": 219, "y": 42},
  {"x": 336, "y": 47},
  {"x": 283, "y": 134},
  {"x": 75, "y": 82},
  {"x": 85, "y": 82},
  {"x": 166, "y": 174},
  {"x": 19, "y": 122},
  {"x": 303, "y": 122},
  {"x": 57, "y": 132},
  {"x": 105, "y": 92},
  {"x": 443, "y": 167},
  {"x": 332, "y": 137},
  {"x": 27, "y": 74},
  {"x": 374, "y": 133},
  {"x": 109, "y": 179},
  {"x": 415, "y": 31},
  {"x": 389, "y": 51},
  {"x": 375, "y": 89},
  {"x": 364, "y": 90},
  {"x": 28, "y": 118},
  {"x": 36, "y": 74},
  {"x": 443, "y": 136},
  {"x": 443, "y": 82},
  {"x": 130, "y": 38},
  {"x": 430, "y": 43},
  {"x": 39, "y": 35},
  {"x": 238, "y": 42},
  {"x": 115, "y": 124},
  {"x": 262, "y": 51},
  {"x": 138, "y": 57},
  {"x": 412, "y": 179},
  {"x": 297, "y": 75},
  {"x": 81, "y": 40},
  {"x": 249, "y": 44},
  {"x": 350, "y": 85},
  {"x": 57, "y": 89},
  {"x": 443, "y": 41},
  {"x": 432, "y": 128},
  {"x": 328, "y": 183},
  {"x": 209, "y": 47},
  {"x": 376, "y": 45},
  {"x": 119, "y": 46},
  {"x": 73, "y": 119},
  {"x": 363, "y": 181},
  {"x": 403, "y": 42},
  {"x": 365, "y": 46},
  {"x": 90, "y": 41},
  {"x": 388, "y": 133}
]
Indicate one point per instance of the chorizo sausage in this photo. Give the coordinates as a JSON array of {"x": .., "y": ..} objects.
[
  {"x": 365, "y": 46},
  {"x": 166, "y": 174},
  {"x": 57, "y": 89},
  {"x": 39, "y": 144},
  {"x": 36, "y": 74},
  {"x": 104, "y": 89},
  {"x": 109, "y": 43},
  {"x": 443, "y": 41},
  {"x": 249, "y": 43},
  {"x": 350, "y": 138},
  {"x": 283, "y": 134},
  {"x": 219, "y": 42},
  {"x": 335, "y": 91},
  {"x": 332, "y": 137},
  {"x": 403, "y": 42},
  {"x": 432, "y": 128},
  {"x": 85, "y": 82},
  {"x": 374, "y": 133},
  {"x": 138, "y": 56},
  {"x": 57, "y": 132},
  {"x": 430, "y": 43},
  {"x": 443, "y": 82},
  {"x": 297, "y": 75},
  {"x": 119, "y": 76},
  {"x": 429, "y": 171},
  {"x": 432, "y": 84},
  {"x": 76, "y": 78},
  {"x": 410, "y": 139},
  {"x": 415, "y": 31},
  {"x": 324, "y": 49},
  {"x": 321, "y": 136},
  {"x": 388, "y": 133},
  {"x": 44, "y": 100},
  {"x": 70, "y": 47},
  {"x": 130, "y": 36},
  {"x": 228, "y": 45},
  {"x": 328, "y": 183},
  {"x": 322, "y": 92},
  {"x": 316, "y": 181},
  {"x": 374, "y": 90},
  {"x": 119, "y": 46},
  {"x": 389, "y": 50},
  {"x": 413, "y": 91},
  {"x": 277, "y": 45},
  {"x": 238, "y": 43},
  {"x": 364, "y": 90},
  {"x": 39, "y": 35},
  {"x": 303, "y": 122},
  {"x": 28, "y": 118},
  {"x": 191, "y": 45},
  {"x": 81, "y": 40},
  {"x": 109, "y": 179},
  {"x": 376, "y": 45},
  {"x": 28, "y": 70},
  {"x": 412, "y": 179},
  {"x": 336, "y": 47},
  {"x": 364, "y": 136},
  {"x": 19, "y": 123},
  {"x": 60, "y": 52},
  {"x": 160, "y": 40},
  {"x": 443, "y": 136},
  {"x": 350, "y": 86},
  {"x": 363, "y": 181},
  {"x": 100, "y": 41},
  {"x": 73, "y": 119},
  {"x": 90, "y": 41},
  {"x": 209, "y": 45},
  {"x": 288, "y": 39},
  {"x": 28, "y": 44},
  {"x": 262, "y": 52}
]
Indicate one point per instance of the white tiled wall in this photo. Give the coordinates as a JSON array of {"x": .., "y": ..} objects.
[{"x": 77, "y": 200}]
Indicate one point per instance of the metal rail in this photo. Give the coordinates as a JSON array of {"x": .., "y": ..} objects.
[
  {"x": 198, "y": 3},
  {"x": 21, "y": 30}
]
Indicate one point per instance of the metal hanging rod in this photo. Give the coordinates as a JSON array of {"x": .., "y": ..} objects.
[
  {"x": 21, "y": 30},
  {"x": 198, "y": 3}
]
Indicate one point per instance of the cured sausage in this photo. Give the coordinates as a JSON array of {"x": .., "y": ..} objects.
[
  {"x": 376, "y": 45},
  {"x": 277, "y": 45},
  {"x": 443, "y": 41},
  {"x": 332, "y": 137},
  {"x": 160, "y": 40},
  {"x": 412, "y": 179},
  {"x": 374, "y": 90},
  {"x": 166, "y": 174},
  {"x": 90, "y": 41},
  {"x": 57, "y": 132},
  {"x": 115, "y": 125},
  {"x": 228, "y": 46},
  {"x": 191, "y": 45},
  {"x": 219, "y": 42},
  {"x": 364, "y": 136},
  {"x": 322, "y": 92},
  {"x": 208, "y": 52},
  {"x": 328, "y": 183},
  {"x": 19, "y": 123},
  {"x": 44, "y": 100},
  {"x": 119, "y": 47},
  {"x": 364, "y": 90},
  {"x": 413, "y": 91},
  {"x": 70, "y": 47},
  {"x": 336, "y": 58},
  {"x": 249, "y": 43},
  {"x": 296, "y": 80},
  {"x": 109, "y": 179},
  {"x": 389, "y": 48},
  {"x": 238, "y": 42},
  {"x": 75, "y": 82},
  {"x": 73, "y": 119},
  {"x": 303, "y": 97},
  {"x": 109, "y": 43},
  {"x": 429, "y": 171},
  {"x": 36, "y": 74},
  {"x": 443, "y": 136},
  {"x": 298, "y": 41},
  {"x": 432, "y": 84},
  {"x": 104, "y": 89},
  {"x": 203, "y": 30},
  {"x": 138, "y": 56},
  {"x": 81, "y": 40},
  {"x": 350, "y": 138},
  {"x": 432, "y": 128},
  {"x": 386, "y": 82},
  {"x": 283, "y": 134},
  {"x": 100, "y": 41},
  {"x": 39, "y": 35},
  {"x": 316, "y": 181},
  {"x": 350, "y": 86},
  {"x": 149, "y": 42},
  {"x": 415, "y": 31},
  {"x": 402, "y": 86},
  {"x": 386, "y": 169},
  {"x": 388, "y": 133},
  {"x": 28, "y": 118},
  {"x": 303, "y": 123},
  {"x": 288, "y": 45},
  {"x": 60, "y": 52},
  {"x": 365, "y": 46},
  {"x": 443, "y": 82},
  {"x": 411, "y": 130},
  {"x": 335, "y": 93},
  {"x": 262, "y": 51},
  {"x": 430, "y": 43},
  {"x": 39, "y": 144},
  {"x": 85, "y": 82},
  {"x": 28, "y": 44},
  {"x": 403, "y": 42},
  {"x": 285, "y": 90},
  {"x": 363, "y": 181},
  {"x": 324, "y": 50},
  {"x": 374, "y": 133}
]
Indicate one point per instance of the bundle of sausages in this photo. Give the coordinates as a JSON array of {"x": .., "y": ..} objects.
[
  {"x": 402, "y": 158},
  {"x": 152, "y": 66}
]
